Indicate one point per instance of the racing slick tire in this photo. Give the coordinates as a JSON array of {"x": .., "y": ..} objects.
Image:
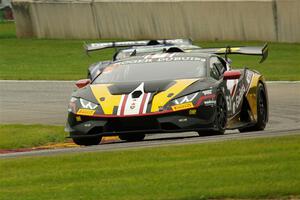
[
  {"x": 87, "y": 141},
  {"x": 262, "y": 111},
  {"x": 220, "y": 119},
  {"x": 132, "y": 137}
]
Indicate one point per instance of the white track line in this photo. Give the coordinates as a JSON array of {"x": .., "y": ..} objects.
[
  {"x": 73, "y": 81},
  {"x": 36, "y": 81},
  {"x": 271, "y": 82}
]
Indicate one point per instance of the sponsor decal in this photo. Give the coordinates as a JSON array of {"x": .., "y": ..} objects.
[
  {"x": 249, "y": 75},
  {"x": 239, "y": 97},
  {"x": 210, "y": 102},
  {"x": 78, "y": 118},
  {"x": 162, "y": 58},
  {"x": 163, "y": 55},
  {"x": 183, "y": 120},
  {"x": 132, "y": 106},
  {"x": 192, "y": 112},
  {"x": 207, "y": 92},
  {"x": 231, "y": 86},
  {"x": 229, "y": 103},
  {"x": 182, "y": 106},
  {"x": 234, "y": 49},
  {"x": 112, "y": 44},
  {"x": 87, "y": 112}
]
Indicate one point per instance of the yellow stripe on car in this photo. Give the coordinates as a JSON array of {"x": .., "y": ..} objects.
[
  {"x": 164, "y": 97},
  {"x": 109, "y": 101}
]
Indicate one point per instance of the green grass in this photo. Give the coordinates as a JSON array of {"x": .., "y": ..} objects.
[
  {"x": 15, "y": 136},
  {"x": 7, "y": 30},
  {"x": 253, "y": 168},
  {"x": 66, "y": 60}
]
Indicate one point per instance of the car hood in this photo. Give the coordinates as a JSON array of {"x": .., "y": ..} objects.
[{"x": 138, "y": 97}]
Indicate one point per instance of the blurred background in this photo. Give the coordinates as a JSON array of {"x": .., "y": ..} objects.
[
  {"x": 6, "y": 13},
  {"x": 207, "y": 20}
]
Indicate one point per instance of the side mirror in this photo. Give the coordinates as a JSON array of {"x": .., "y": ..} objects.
[
  {"x": 82, "y": 83},
  {"x": 230, "y": 75}
]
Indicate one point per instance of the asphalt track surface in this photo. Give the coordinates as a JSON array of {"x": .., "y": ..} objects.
[{"x": 45, "y": 102}]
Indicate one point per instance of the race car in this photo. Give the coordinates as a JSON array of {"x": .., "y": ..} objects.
[
  {"x": 127, "y": 49},
  {"x": 177, "y": 91}
]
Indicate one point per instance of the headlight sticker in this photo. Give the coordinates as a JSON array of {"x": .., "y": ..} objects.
[
  {"x": 185, "y": 99},
  {"x": 87, "y": 104}
]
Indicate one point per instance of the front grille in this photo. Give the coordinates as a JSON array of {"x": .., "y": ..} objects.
[{"x": 131, "y": 124}]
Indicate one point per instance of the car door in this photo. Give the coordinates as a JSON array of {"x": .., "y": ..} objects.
[
  {"x": 235, "y": 89},
  {"x": 229, "y": 87}
]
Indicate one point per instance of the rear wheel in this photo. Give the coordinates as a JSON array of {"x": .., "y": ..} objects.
[
  {"x": 132, "y": 137},
  {"x": 262, "y": 111},
  {"x": 220, "y": 119},
  {"x": 87, "y": 141}
]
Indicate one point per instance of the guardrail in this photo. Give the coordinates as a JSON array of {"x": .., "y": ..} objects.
[{"x": 261, "y": 20}]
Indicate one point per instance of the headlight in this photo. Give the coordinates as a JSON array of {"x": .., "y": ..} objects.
[
  {"x": 76, "y": 104},
  {"x": 186, "y": 99},
  {"x": 73, "y": 99},
  {"x": 87, "y": 104},
  {"x": 72, "y": 104}
]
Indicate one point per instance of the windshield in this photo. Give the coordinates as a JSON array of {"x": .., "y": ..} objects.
[{"x": 141, "y": 70}]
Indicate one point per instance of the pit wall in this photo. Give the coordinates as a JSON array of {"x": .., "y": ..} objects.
[{"x": 261, "y": 20}]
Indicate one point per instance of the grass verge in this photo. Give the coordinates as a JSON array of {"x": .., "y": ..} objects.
[
  {"x": 46, "y": 59},
  {"x": 7, "y": 30},
  {"x": 254, "y": 168},
  {"x": 15, "y": 136}
]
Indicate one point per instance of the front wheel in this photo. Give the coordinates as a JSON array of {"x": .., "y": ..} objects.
[
  {"x": 220, "y": 118},
  {"x": 132, "y": 137},
  {"x": 262, "y": 111},
  {"x": 87, "y": 141}
]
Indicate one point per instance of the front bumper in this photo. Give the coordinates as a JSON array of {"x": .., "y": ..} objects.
[{"x": 195, "y": 119}]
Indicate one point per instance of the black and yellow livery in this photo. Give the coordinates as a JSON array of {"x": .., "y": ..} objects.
[{"x": 187, "y": 90}]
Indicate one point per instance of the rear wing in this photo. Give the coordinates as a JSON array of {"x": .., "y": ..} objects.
[
  {"x": 105, "y": 45},
  {"x": 255, "y": 51}
]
